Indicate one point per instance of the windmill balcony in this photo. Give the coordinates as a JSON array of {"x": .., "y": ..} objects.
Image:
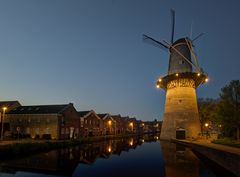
[{"x": 194, "y": 80}]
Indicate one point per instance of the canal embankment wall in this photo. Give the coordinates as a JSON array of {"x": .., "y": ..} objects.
[{"x": 226, "y": 157}]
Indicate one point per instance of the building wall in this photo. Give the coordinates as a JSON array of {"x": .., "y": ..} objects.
[
  {"x": 109, "y": 129},
  {"x": 181, "y": 110},
  {"x": 91, "y": 125},
  {"x": 33, "y": 125},
  {"x": 55, "y": 126},
  {"x": 68, "y": 126}
]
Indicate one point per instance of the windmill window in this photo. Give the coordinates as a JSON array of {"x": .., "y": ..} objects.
[
  {"x": 179, "y": 101},
  {"x": 181, "y": 62}
]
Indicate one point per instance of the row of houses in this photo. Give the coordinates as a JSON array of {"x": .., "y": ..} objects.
[{"x": 65, "y": 122}]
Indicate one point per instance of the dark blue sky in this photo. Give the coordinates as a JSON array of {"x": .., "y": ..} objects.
[{"x": 90, "y": 52}]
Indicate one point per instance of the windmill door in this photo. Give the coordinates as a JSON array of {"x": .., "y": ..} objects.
[{"x": 180, "y": 134}]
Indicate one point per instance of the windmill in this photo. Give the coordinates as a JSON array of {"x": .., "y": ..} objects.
[{"x": 181, "y": 119}]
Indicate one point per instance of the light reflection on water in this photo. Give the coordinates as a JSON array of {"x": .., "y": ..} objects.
[{"x": 134, "y": 156}]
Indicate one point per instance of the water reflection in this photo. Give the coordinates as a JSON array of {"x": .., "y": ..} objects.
[
  {"x": 179, "y": 161},
  {"x": 63, "y": 162},
  {"x": 121, "y": 157}
]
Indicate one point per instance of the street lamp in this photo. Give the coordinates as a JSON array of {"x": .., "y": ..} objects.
[
  {"x": 109, "y": 149},
  {"x": 131, "y": 125},
  {"x": 3, "y": 116},
  {"x": 110, "y": 124},
  {"x": 207, "y": 133}
]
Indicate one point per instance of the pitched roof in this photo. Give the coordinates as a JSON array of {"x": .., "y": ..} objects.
[
  {"x": 133, "y": 119},
  {"x": 83, "y": 113},
  {"x": 9, "y": 104},
  {"x": 39, "y": 109},
  {"x": 102, "y": 115},
  {"x": 116, "y": 116}
]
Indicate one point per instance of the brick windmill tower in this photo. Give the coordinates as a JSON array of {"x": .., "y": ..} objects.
[{"x": 181, "y": 119}]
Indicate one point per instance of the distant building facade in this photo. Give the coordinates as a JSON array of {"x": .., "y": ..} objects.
[
  {"x": 109, "y": 124},
  {"x": 44, "y": 121},
  {"x": 65, "y": 122},
  {"x": 9, "y": 105},
  {"x": 120, "y": 124},
  {"x": 90, "y": 123}
]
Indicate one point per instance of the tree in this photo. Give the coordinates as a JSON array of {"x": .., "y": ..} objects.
[
  {"x": 229, "y": 109},
  {"x": 207, "y": 111}
]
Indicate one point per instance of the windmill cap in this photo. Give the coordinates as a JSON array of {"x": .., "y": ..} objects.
[{"x": 181, "y": 40}]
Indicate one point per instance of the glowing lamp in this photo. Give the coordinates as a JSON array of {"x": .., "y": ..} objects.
[{"x": 109, "y": 149}]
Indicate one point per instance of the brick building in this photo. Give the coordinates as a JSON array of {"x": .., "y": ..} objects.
[
  {"x": 90, "y": 123},
  {"x": 120, "y": 124},
  {"x": 109, "y": 124},
  {"x": 9, "y": 105},
  {"x": 44, "y": 121}
]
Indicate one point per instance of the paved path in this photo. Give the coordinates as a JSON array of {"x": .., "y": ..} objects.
[{"x": 221, "y": 147}]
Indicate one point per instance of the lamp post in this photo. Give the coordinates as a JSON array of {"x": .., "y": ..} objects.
[{"x": 3, "y": 116}]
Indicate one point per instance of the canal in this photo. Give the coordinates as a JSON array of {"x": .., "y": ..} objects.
[{"x": 144, "y": 156}]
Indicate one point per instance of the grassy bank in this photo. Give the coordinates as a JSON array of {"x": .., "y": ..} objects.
[{"x": 228, "y": 142}]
